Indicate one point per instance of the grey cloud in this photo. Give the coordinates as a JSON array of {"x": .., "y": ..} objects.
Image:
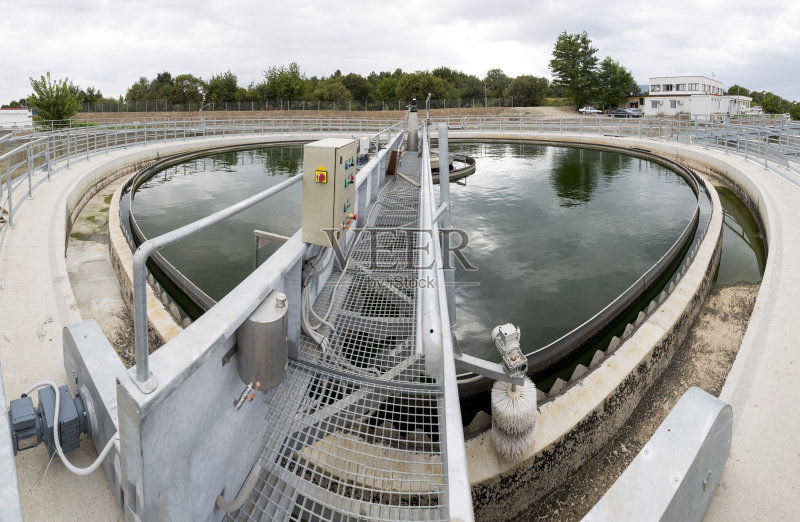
[{"x": 110, "y": 44}]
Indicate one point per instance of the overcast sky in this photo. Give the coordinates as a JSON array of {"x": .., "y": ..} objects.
[{"x": 109, "y": 44}]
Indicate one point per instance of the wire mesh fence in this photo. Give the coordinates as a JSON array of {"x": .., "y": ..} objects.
[{"x": 292, "y": 105}]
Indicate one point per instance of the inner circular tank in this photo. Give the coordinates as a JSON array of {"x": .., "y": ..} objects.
[{"x": 555, "y": 233}]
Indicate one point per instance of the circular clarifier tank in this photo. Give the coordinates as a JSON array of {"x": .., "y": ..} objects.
[{"x": 554, "y": 233}]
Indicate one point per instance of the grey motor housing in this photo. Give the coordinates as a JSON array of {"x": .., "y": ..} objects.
[{"x": 31, "y": 426}]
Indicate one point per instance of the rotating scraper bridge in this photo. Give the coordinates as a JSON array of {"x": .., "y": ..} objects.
[{"x": 365, "y": 425}]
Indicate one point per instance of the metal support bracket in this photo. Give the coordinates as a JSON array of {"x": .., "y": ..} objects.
[{"x": 488, "y": 369}]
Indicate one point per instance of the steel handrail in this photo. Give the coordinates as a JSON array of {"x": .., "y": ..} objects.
[
  {"x": 143, "y": 378},
  {"x": 437, "y": 344}
]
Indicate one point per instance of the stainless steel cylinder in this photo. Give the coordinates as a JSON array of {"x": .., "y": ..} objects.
[
  {"x": 412, "y": 144},
  {"x": 262, "y": 343}
]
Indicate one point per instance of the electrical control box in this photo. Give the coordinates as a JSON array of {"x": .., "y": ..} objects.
[{"x": 329, "y": 190}]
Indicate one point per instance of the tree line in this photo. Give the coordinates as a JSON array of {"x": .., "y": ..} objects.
[
  {"x": 579, "y": 78},
  {"x": 769, "y": 102},
  {"x": 290, "y": 83}
]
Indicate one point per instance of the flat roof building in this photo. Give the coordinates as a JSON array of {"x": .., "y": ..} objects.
[{"x": 692, "y": 95}]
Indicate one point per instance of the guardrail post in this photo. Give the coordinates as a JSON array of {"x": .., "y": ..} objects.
[
  {"x": 30, "y": 169},
  {"x": 8, "y": 189},
  {"x": 47, "y": 157}
]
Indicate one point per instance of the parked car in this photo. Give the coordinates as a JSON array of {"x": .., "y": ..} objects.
[
  {"x": 637, "y": 113},
  {"x": 589, "y": 110},
  {"x": 620, "y": 113}
]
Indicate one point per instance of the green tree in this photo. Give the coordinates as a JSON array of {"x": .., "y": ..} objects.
[
  {"x": 13, "y": 104},
  {"x": 360, "y": 88},
  {"x": 573, "y": 66},
  {"x": 188, "y": 89},
  {"x": 419, "y": 84},
  {"x": 464, "y": 85},
  {"x": 52, "y": 99},
  {"x": 737, "y": 90},
  {"x": 90, "y": 95},
  {"x": 614, "y": 83},
  {"x": 527, "y": 91},
  {"x": 222, "y": 88},
  {"x": 794, "y": 111},
  {"x": 469, "y": 86},
  {"x": 496, "y": 82},
  {"x": 387, "y": 89},
  {"x": 139, "y": 91},
  {"x": 332, "y": 89},
  {"x": 285, "y": 83},
  {"x": 162, "y": 86},
  {"x": 758, "y": 97},
  {"x": 774, "y": 104}
]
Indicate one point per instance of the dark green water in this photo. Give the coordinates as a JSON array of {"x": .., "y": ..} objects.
[
  {"x": 743, "y": 253},
  {"x": 556, "y": 232},
  {"x": 221, "y": 257}
]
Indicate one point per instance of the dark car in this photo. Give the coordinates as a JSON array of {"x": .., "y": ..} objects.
[
  {"x": 636, "y": 113},
  {"x": 621, "y": 113}
]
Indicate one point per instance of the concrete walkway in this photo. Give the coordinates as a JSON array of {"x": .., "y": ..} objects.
[
  {"x": 762, "y": 477},
  {"x": 37, "y": 302}
]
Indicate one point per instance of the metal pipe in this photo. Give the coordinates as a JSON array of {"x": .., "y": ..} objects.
[
  {"x": 444, "y": 199},
  {"x": 143, "y": 379},
  {"x": 437, "y": 341}
]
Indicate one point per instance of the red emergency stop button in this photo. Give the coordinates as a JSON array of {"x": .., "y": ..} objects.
[{"x": 321, "y": 176}]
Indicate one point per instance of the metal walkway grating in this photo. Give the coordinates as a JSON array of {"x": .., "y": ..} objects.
[
  {"x": 355, "y": 429},
  {"x": 371, "y": 306},
  {"x": 337, "y": 448}
]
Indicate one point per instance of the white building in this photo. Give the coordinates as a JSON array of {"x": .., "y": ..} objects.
[
  {"x": 10, "y": 118},
  {"x": 692, "y": 95}
]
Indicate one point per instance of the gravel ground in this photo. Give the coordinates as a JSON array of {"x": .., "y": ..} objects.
[{"x": 704, "y": 360}]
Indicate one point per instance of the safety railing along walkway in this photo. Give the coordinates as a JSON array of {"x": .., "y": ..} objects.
[
  {"x": 363, "y": 426},
  {"x": 28, "y": 159}
]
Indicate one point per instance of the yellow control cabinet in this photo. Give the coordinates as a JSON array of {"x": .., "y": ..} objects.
[{"x": 329, "y": 189}]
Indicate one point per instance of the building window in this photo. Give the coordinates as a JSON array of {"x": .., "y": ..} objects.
[
  {"x": 655, "y": 88},
  {"x": 654, "y": 104},
  {"x": 680, "y": 87},
  {"x": 641, "y": 102},
  {"x": 694, "y": 86},
  {"x": 673, "y": 104},
  {"x": 667, "y": 87}
]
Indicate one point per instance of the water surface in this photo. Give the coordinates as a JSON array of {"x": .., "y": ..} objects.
[{"x": 556, "y": 233}]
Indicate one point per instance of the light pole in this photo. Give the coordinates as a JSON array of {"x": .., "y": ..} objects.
[{"x": 200, "y": 112}]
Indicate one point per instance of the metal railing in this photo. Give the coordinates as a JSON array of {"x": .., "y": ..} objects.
[
  {"x": 143, "y": 378},
  {"x": 436, "y": 342},
  {"x": 772, "y": 139},
  {"x": 25, "y": 156}
]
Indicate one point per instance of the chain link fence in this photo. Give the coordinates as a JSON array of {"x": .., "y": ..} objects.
[{"x": 293, "y": 105}]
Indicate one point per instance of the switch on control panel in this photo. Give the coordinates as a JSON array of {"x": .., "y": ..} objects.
[{"x": 329, "y": 189}]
